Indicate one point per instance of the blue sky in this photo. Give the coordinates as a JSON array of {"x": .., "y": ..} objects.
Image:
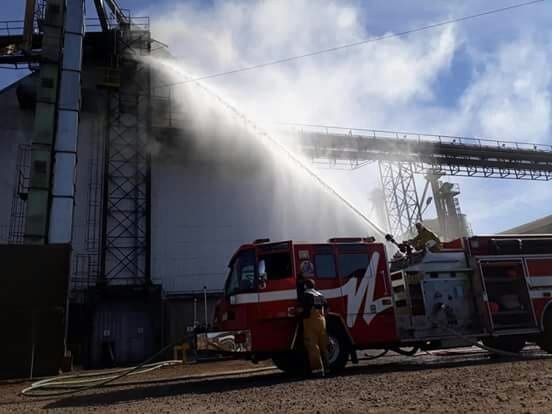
[{"x": 486, "y": 77}]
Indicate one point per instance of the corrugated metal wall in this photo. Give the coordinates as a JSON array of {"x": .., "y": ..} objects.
[
  {"x": 126, "y": 325},
  {"x": 203, "y": 211},
  {"x": 179, "y": 315}
]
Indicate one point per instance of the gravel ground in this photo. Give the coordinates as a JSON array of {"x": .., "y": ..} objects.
[{"x": 437, "y": 382}]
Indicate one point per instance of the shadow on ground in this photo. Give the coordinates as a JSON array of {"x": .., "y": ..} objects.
[{"x": 106, "y": 397}]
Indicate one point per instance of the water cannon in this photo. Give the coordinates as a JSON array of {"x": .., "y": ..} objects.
[
  {"x": 403, "y": 247},
  {"x": 390, "y": 239}
]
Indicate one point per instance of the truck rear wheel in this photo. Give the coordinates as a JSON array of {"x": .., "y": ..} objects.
[
  {"x": 545, "y": 341},
  {"x": 510, "y": 343}
]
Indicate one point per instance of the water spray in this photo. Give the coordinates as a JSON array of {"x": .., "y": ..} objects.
[{"x": 276, "y": 143}]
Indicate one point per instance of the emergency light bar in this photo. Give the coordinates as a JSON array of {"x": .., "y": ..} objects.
[{"x": 369, "y": 239}]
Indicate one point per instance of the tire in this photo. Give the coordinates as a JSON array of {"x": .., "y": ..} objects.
[
  {"x": 513, "y": 343},
  {"x": 296, "y": 362},
  {"x": 339, "y": 348},
  {"x": 292, "y": 363},
  {"x": 545, "y": 341}
]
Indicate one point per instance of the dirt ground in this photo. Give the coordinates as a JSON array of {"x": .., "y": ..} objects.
[{"x": 442, "y": 381}]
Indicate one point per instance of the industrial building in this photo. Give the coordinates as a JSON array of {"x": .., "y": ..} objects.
[{"x": 153, "y": 188}]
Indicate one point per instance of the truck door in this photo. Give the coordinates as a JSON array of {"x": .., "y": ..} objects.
[
  {"x": 318, "y": 262},
  {"x": 275, "y": 325},
  {"x": 507, "y": 296},
  {"x": 365, "y": 287}
]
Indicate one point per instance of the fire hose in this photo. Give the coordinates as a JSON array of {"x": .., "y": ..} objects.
[
  {"x": 72, "y": 384},
  {"x": 67, "y": 385}
]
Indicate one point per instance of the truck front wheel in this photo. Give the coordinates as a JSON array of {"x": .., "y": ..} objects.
[
  {"x": 296, "y": 362},
  {"x": 339, "y": 348}
]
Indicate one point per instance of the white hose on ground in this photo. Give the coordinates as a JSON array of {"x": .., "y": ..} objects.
[
  {"x": 45, "y": 386},
  {"x": 75, "y": 383},
  {"x": 93, "y": 382}
]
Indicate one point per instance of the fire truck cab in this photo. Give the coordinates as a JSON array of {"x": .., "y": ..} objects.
[{"x": 496, "y": 289}]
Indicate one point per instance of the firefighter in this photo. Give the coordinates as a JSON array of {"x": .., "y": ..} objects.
[
  {"x": 425, "y": 236},
  {"x": 315, "y": 337}
]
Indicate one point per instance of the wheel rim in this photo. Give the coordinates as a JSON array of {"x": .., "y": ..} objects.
[{"x": 333, "y": 349}]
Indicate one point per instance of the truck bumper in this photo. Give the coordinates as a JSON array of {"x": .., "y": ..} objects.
[{"x": 224, "y": 341}]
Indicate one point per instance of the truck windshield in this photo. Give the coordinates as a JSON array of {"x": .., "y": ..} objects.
[{"x": 241, "y": 275}]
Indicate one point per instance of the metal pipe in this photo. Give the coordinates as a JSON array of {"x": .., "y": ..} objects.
[
  {"x": 40, "y": 182},
  {"x": 205, "y": 303},
  {"x": 33, "y": 335},
  {"x": 65, "y": 149}
]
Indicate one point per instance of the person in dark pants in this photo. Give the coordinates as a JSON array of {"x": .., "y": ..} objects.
[{"x": 315, "y": 336}]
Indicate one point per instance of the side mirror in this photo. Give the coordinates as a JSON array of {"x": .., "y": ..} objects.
[{"x": 263, "y": 277}]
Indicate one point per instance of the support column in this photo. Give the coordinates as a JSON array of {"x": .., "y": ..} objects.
[
  {"x": 126, "y": 209},
  {"x": 440, "y": 206}
]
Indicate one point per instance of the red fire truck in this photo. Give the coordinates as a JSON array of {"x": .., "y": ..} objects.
[{"x": 494, "y": 289}]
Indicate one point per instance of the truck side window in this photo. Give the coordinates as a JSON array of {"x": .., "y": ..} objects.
[
  {"x": 324, "y": 265},
  {"x": 353, "y": 264},
  {"x": 278, "y": 265},
  {"x": 247, "y": 279},
  {"x": 241, "y": 275}
]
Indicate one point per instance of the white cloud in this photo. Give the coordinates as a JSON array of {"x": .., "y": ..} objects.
[
  {"x": 334, "y": 87},
  {"x": 512, "y": 98}
]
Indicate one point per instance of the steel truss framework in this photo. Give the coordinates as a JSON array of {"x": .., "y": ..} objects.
[
  {"x": 126, "y": 217},
  {"x": 402, "y": 154},
  {"x": 401, "y": 198}
]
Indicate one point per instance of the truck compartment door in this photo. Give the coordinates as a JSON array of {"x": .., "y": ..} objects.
[{"x": 506, "y": 295}]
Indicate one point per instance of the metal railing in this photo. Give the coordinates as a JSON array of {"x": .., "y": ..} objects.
[
  {"x": 11, "y": 27},
  {"x": 136, "y": 23},
  {"x": 419, "y": 138},
  {"x": 92, "y": 24}
]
